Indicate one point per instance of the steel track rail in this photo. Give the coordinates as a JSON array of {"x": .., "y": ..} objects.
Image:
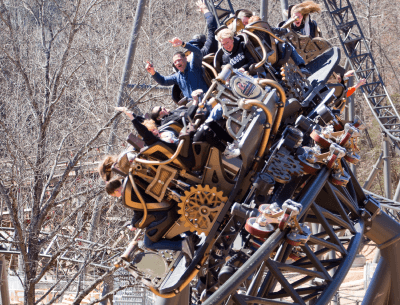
[
  {"x": 361, "y": 60},
  {"x": 385, "y": 202}
]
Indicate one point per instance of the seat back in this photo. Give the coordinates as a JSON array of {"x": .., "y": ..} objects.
[
  {"x": 235, "y": 24},
  {"x": 200, "y": 151},
  {"x": 321, "y": 69},
  {"x": 161, "y": 151},
  {"x": 171, "y": 126},
  {"x": 130, "y": 199},
  {"x": 268, "y": 41},
  {"x": 135, "y": 141},
  {"x": 208, "y": 68},
  {"x": 307, "y": 47}
]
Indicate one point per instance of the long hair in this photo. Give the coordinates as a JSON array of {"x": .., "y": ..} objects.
[
  {"x": 105, "y": 167},
  {"x": 306, "y": 8},
  {"x": 113, "y": 185},
  {"x": 150, "y": 124}
]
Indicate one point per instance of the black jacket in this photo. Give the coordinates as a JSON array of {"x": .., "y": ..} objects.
[
  {"x": 211, "y": 44},
  {"x": 239, "y": 57},
  {"x": 175, "y": 115}
]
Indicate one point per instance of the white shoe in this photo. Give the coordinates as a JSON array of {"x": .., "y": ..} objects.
[{"x": 230, "y": 152}]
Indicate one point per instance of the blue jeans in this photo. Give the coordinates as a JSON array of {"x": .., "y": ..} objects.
[
  {"x": 216, "y": 113},
  {"x": 298, "y": 60},
  {"x": 163, "y": 244}
]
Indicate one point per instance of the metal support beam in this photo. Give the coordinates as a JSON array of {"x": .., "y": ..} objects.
[
  {"x": 373, "y": 173},
  {"x": 396, "y": 196},
  {"x": 122, "y": 95},
  {"x": 264, "y": 10},
  {"x": 284, "y": 8},
  {"x": 384, "y": 231},
  {"x": 352, "y": 114},
  {"x": 5, "y": 294},
  {"x": 387, "y": 167}
]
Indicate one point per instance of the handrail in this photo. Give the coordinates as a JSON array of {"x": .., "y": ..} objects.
[
  {"x": 211, "y": 68},
  {"x": 264, "y": 59},
  {"x": 262, "y": 30},
  {"x": 140, "y": 199},
  {"x": 248, "y": 104},
  {"x": 289, "y": 22},
  {"x": 174, "y": 156},
  {"x": 279, "y": 114}
]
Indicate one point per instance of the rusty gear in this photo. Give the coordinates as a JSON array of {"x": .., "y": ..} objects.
[{"x": 200, "y": 208}]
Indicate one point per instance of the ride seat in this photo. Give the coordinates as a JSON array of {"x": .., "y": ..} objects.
[
  {"x": 235, "y": 24},
  {"x": 321, "y": 69},
  {"x": 219, "y": 54},
  {"x": 208, "y": 76},
  {"x": 171, "y": 126},
  {"x": 201, "y": 151},
  {"x": 161, "y": 151},
  {"x": 268, "y": 41}
]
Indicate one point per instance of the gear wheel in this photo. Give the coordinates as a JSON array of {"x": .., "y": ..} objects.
[
  {"x": 295, "y": 82},
  {"x": 200, "y": 208}
]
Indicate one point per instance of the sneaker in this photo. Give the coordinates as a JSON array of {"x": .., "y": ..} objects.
[
  {"x": 188, "y": 247},
  {"x": 231, "y": 152}
]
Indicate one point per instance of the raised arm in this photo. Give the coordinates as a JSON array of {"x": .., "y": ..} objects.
[
  {"x": 211, "y": 44},
  {"x": 148, "y": 137},
  {"x": 197, "y": 56},
  {"x": 162, "y": 80}
]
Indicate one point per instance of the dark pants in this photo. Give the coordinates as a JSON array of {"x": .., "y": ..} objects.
[{"x": 212, "y": 133}]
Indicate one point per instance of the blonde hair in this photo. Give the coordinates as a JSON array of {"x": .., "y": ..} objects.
[
  {"x": 225, "y": 33},
  {"x": 150, "y": 124},
  {"x": 306, "y": 8},
  {"x": 254, "y": 19}
]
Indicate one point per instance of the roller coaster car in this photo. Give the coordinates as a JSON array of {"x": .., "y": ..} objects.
[
  {"x": 199, "y": 198},
  {"x": 161, "y": 181}
]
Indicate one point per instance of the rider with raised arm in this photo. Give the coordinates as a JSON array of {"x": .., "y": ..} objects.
[
  {"x": 288, "y": 50},
  {"x": 207, "y": 44},
  {"x": 304, "y": 25},
  {"x": 190, "y": 74}
]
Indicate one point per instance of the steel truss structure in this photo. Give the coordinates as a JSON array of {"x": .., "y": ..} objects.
[{"x": 359, "y": 55}]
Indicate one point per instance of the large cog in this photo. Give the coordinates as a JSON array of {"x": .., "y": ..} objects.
[{"x": 200, "y": 208}]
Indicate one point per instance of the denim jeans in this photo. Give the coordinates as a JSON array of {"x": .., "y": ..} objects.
[
  {"x": 298, "y": 60},
  {"x": 215, "y": 114},
  {"x": 163, "y": 244}
]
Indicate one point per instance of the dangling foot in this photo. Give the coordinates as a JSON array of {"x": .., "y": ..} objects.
[{"x": 188, "y": 247}]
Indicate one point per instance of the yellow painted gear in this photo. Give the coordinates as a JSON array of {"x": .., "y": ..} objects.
[{"x": 200, "y": 208}]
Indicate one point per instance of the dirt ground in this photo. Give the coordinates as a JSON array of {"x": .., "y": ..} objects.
[{"x": 352, "y": 289}]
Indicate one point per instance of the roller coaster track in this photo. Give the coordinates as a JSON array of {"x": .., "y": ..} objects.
[
  {"x": 361, "y": 60},
  {"x": 221, "y": 9}
]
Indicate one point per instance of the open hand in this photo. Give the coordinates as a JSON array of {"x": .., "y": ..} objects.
[
  {"x": 125, "y": 110},
  {"x": 202, "y": 7},
  {"x": 349, "y": 73},
  {"x": 176, "y": 42}
]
